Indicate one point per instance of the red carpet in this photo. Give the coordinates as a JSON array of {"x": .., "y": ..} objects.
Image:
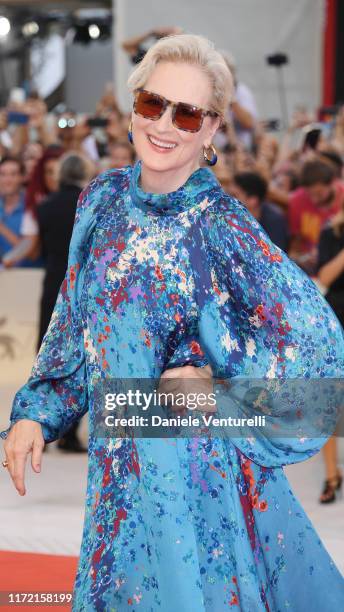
[{"x": 33, "y": 572}]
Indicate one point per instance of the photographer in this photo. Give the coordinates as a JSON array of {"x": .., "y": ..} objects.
[{"x": 135, "y": 46}]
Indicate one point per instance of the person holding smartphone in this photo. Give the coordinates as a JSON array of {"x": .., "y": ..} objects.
[{"x": 310, "y": 207}]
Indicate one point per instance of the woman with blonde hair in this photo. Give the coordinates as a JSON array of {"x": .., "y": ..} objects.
[{"x": 170, "y": 278}]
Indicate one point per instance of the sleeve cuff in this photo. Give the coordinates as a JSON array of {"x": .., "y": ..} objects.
[{"x": 48, "y": 435}]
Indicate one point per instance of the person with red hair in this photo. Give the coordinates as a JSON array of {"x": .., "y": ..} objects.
[{"x": 43, "y": 182}]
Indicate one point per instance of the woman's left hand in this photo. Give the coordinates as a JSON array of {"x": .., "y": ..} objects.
[{"x": 195, "y": 383}]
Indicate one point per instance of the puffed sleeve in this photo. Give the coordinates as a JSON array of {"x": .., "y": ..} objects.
[
  {"x": 269, "y": 321},
  {"x": 55, "y": 394}
]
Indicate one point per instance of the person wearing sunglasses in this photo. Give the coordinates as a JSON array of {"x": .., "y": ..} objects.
[{"x": 171, "y": 279}]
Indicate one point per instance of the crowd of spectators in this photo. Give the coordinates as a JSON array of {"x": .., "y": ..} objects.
[{"x": 291, "y": 181}]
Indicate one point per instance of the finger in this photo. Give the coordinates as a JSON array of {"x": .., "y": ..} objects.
[
  {"x": 208, "y": 369},
  {"x": 36, "y": 457},
  {"x": 8, "y": 458},
  {"x": 19, "y": 471},
  {"x": 178, "y": 410},
  {"x": 178, "y": 413},
  {"x": 166, "y": 388},
  {"x": 210, "y": 409}
]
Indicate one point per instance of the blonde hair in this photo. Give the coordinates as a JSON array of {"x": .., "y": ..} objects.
[
  {"x": 230, "y": 61},
  {"x": 189, "y": 49}
]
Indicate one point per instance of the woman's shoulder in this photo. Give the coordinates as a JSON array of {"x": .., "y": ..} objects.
[
  {"x": 110, "y": 182},
  {"x": 232, "y": 229},
  {"x": 95, "y": 196},
  {"x": 228, "y": 210}
]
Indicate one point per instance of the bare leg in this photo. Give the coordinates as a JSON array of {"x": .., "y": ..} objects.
[
  {"x": 333, "y": 474},
  {"x": 331, "y": 458}
]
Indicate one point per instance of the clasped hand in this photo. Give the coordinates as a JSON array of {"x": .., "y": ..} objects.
[
  {"x": 26, "y": 436},
  {"x": 195, "y": 384}
]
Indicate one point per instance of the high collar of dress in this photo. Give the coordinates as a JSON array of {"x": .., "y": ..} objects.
[{"x": 191, "y": 193}]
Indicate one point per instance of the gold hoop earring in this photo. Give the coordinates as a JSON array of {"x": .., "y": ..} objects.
[{"x": 213, "y": 159}]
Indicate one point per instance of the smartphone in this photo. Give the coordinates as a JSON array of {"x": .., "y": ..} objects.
[
  {"x": 17, "y": 118},
  {"x": 97, "y": 122}
]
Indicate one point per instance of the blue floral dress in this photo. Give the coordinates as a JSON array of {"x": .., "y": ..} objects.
[{"x": 189, "y": 524}]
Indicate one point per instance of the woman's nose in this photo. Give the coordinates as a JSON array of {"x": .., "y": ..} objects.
[{"x": 165, "y": 122}]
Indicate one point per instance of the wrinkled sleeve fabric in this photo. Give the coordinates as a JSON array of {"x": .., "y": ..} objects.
[
  {"x": 269, "y": 321},
  {"x": 188, "y": 351},
  {"x": 55, "y": 394}
]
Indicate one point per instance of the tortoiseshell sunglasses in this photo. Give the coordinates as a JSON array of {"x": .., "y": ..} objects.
[{"x": 184, "y": 116}]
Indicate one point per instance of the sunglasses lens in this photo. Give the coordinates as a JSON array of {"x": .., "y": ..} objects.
[
  {"x": 188, "y": 118},
  {"x": 148, "y": 105}
]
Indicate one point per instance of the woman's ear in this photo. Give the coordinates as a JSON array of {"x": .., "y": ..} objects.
[
  {"x": 218, "y": 121},
  {"x": 214, "y": 126}
]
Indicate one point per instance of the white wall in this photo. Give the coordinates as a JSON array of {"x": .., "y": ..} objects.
[
  {"x": 88, "y": 69},
  {"x": 250, "y": 29}
]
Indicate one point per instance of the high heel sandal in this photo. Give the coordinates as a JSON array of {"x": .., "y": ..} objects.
[{"x": 331, "y": 486}]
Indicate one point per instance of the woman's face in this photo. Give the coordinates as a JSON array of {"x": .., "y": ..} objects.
[
  {"x": 32, "y": 153},
  {"x": 178, "y": 82},
  {"x": 51, "y": 171}
]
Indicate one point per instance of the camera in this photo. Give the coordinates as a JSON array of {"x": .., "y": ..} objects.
[{"x": 97, "y": 122}]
